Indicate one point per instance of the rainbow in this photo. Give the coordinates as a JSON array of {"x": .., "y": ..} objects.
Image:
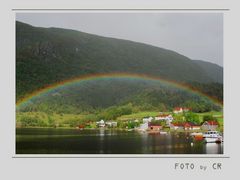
[{"x": 92, "y": 77}]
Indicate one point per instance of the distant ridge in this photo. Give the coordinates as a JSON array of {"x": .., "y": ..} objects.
[{"x": 213, "y": 70}]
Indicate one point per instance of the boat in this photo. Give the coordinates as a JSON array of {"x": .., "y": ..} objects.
[
  {"x": 212, "y": 137},
  {"x": 197, "y": 136}
]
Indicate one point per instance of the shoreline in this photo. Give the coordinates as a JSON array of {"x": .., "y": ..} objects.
[{"x": 119, "y": 129}]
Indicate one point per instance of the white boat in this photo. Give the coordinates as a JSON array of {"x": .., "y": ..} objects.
[{"x": 212, "y": 137}]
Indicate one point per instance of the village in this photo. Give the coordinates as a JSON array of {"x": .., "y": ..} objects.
[{"x": 163, "y": 122}]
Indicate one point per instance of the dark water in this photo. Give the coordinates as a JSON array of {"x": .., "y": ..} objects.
[{"x": 71, "y": 141}]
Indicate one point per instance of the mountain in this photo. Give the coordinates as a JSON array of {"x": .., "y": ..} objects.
[
  {"x": 49, "y": 55},
  {"x": 212, "y": 70}
]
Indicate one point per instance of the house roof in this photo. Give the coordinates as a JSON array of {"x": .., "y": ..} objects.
[
  {"x": 211, "y": 122},
  {"x": 177, "y": 108},
  {"x": 185, "y": 124},
  {"x": 181, "y": 108},
  {"x": 177, "y": 124},
  {"x": 190, "y": 124}
]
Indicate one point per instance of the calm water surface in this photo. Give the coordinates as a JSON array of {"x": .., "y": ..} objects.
[{"x": 102, "y": 141}]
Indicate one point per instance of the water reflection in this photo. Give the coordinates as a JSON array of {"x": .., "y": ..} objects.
[
  {"x": 168, "y": 138},
  {"x": 144, "y": 140},
  {"x": 102, "y": 133},
  {"x": 103, "y": 141},
  {"x": 213, "y": 148},
  {"x": 101, "y": 145}
]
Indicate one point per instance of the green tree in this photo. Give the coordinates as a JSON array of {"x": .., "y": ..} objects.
[
  {"x": 192, "y": 117},
  {"x": 51, "y": 121},
  {"x": 178, "y": 118}
]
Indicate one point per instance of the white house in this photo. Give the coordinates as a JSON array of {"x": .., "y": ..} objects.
[
  {"x": 101, "y": 123},
  {"x": 178, "y": 110},
  {"x": 147, "y": 119},
  {"x": 111, "y": 124},
  {"x": 143, "y": 126},
  {"x": 210, "y": 125},
  {"x": 164, "y": 117}
]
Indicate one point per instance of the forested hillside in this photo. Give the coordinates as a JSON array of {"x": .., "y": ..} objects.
[{"x": 45, "y": 56}]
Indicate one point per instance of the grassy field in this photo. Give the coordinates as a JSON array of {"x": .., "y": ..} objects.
[
  {"x": 46, "y": 120},
  {"x": 218, "y": 115},
  {"x": 138, "y": 115}
]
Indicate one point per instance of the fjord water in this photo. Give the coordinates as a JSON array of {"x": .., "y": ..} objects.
[{"x": 103, "y": 141}]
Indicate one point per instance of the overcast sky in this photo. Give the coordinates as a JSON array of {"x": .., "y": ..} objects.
[{"x": 195, "y": 35}]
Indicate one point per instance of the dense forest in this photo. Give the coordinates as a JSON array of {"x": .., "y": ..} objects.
[
  {"x": 94, "y": 96},
  {"x": 45, "y": 56}
]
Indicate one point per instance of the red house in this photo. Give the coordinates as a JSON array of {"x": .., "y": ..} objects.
[
  {"x": 177, "y": 110},
  {"x": 210, "y": 125},
  {"x": 191, "y": 126},
  {"x": 176, "y": 126},
  {"x": 186, "y": 109},
  {"x": 154, "y": 127},
  {"x": 185, "y": 126}
]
